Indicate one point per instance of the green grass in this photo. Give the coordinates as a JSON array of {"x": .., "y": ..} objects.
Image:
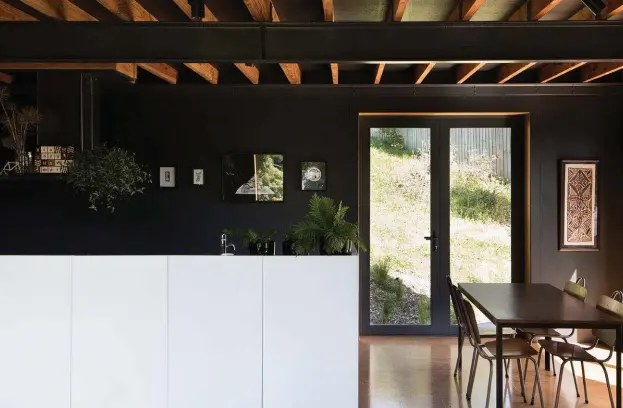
[{"x": 400, "y": 218}]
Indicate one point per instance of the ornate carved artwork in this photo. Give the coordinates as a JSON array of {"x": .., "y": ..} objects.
[{"x": 579, "y": 206}]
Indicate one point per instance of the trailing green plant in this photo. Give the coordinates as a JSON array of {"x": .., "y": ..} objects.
[
  {"x": 17, "y": 122},
  {"x": 325, "y": 225},
  {"x": 107, "y": 175}
]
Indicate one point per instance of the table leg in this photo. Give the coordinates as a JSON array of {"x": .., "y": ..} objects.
[
  {"x": 460, "y": 338},
  {"x": 618, "y": 350},
  {"x": 499, "y": 368},
  {"x": 547, "y": 357}
]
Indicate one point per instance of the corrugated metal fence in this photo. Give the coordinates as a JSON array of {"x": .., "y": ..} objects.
[{"x": 465, "y": 144}]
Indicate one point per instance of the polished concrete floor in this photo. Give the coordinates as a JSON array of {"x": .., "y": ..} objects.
[{"x": 416, "y": 372}]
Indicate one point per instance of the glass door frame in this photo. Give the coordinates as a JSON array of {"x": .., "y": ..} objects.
[{"x": 440, "y": 211}]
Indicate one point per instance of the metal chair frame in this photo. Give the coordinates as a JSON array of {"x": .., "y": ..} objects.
[
  {"x": 531, "y": 336},
  {"x": 480, "y": 350},
  {"x": 598, "y": 336}
]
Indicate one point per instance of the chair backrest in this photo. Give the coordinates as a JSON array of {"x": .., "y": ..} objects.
[
  {"x": 577, "y": 289},
  {"x": 470, "y": 320},
  {"x": 610, "y": 305},
  {"x": 455, "y": 306}
]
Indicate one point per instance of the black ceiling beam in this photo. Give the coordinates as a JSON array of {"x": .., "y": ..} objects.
[{"x": 317, "y": 42}]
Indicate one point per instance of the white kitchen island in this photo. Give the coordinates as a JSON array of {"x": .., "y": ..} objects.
[{"x": 179, "y": 331}]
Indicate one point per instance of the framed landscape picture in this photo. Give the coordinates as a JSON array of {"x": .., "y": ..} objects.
[
  {"x": 250, "y": 178},
  {"x": 313, "y": 176},
  {"x": 579, "y": 216}
]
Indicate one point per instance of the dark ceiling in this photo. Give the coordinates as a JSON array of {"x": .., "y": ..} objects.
[{"x": 310, "y": 11}]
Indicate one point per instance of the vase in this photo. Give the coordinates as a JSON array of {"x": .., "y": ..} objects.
[{"x": 347, "y": 249}]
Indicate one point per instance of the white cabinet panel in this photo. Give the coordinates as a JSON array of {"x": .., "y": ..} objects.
[
  {"x": 34, "y": 331},
  {"x": 215, "y": 332},
  {"x": 119, "y": 332},
  {"x": 311, "y": 331}
]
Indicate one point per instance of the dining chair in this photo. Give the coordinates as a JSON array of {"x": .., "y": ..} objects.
[
  {"x": 572, "y": 352},
  {"x": 512, "y": 349},
  {"x": 576, "y": 289},
  {"x": 461, "y": 327}
]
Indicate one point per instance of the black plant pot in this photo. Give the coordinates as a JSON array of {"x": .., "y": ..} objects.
[
  {"x": 288, "y": 248},
  {"x": 262, "y": 248},
  {"x": 346, "y": 250}
]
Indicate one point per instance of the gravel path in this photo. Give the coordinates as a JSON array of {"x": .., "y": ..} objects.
[{"x": 405, "y": 313}]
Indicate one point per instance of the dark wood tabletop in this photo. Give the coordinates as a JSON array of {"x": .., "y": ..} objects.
[{"x": 535, "y": 305}]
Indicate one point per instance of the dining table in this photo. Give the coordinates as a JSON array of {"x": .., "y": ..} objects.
[{"x": 537, "y": 305}]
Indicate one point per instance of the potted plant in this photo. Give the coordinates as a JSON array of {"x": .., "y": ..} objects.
[
  {"x": 17, "y": 122},
  {"x": 107, "y": 175},
  {"x": 325, "y": 227},
  {"x": 289, "y": 242},
  {"x": 259, "y": 243}
]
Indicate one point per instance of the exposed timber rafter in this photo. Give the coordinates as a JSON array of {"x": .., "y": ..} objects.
[
  {"x": 422, "y": 71},
  {"x": 329, "y": 16},
  {"x": 465, "y": 71},
  {"x": 398, "y": 11},
  {"x": 465, "y": 11},
  {"x": 592, "y": 72},
  {"x": 131, "y": 10},
  {"x": 10, "y": 13},
  {"x": 250, "y": 71},
  {"x": 537, "y": 10}
]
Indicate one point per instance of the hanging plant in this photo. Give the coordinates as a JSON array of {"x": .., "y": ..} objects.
[
  {"x": 107, "y": 175},
  {"x": 17, "y": 123}
]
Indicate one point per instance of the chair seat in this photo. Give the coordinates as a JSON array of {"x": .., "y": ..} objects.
[
  {"x": 541, "y": 332},
  {"x": 512, "y": 348},
  {"x": 566, "y": 350}
]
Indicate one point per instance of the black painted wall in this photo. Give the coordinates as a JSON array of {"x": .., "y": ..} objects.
[{"x": 191, "y": 126}]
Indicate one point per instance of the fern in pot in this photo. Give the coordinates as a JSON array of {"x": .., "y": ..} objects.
[
  {"x": 325, "y": 227},
  {"x": 108, "y": 176},
  {"x": 258, "y": 243}
]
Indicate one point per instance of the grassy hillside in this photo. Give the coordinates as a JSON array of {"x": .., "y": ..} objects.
[{"x": 400, "y": 218}]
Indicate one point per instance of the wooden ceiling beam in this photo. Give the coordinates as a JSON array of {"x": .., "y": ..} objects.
[
  {"x": 398, "y": 12},
  {"x": 584, "y": 14},
  {"x": 613, "y": 8},
  {"x": 251, "y": 72},
  {"x": 329, "y": 16},
  {"x": 131, "y": 10},
  {"x": 510, "y": 71},
  {"x": 260, "y": 10},
  {"x": 6, "y": 78},
  {"x": 263, "y": 10},
  {"x": 592, "y": 72},
  {"x": 549, "y": 72},
  {"x": 541, "y": 7},
  {"x": 465, "y": 71},
  {"x": 536, "y": 10},
  {"x": 329, "y": 10},
  {"x": 464, "y": 10},
  {"x": 399, "y": 8},
  {"x": 60, "y": 10},
  {"x": 10, "y": 13},
  {"x": 422, "y": 71},
  {"x": 126, "y": 69}
]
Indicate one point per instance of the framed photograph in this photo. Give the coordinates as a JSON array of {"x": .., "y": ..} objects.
[
  {"x": 313, "y": 176},
  {"x": 167, "y": 176},
  {"x": 198, "y": 177},
  {"x": 251, "y": 178},
  {"x": 579, "y": 215}
]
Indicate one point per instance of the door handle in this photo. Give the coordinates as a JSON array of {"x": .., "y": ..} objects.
[{"x": 433, "y": 241}]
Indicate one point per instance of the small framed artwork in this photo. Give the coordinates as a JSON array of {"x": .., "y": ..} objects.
[
  {"x": 313, "y": 176},
  {"x": 167, "y": 176},
  {"x": 251, "y": 178},
  {"x": 198, "y": 177},
  {"x": 579, "y": 215}
]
